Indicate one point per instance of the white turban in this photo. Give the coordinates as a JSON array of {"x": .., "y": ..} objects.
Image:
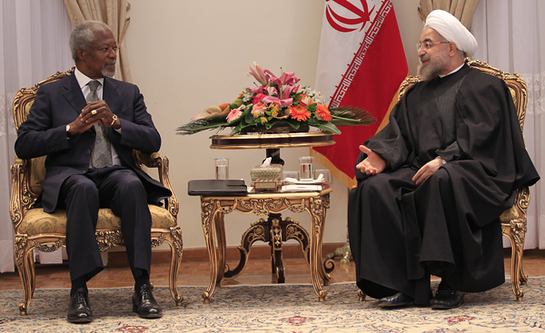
[{"x": 452, "y": 29}]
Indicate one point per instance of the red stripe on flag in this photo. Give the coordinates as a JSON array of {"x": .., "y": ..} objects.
[{"x": 372, "y": 88}]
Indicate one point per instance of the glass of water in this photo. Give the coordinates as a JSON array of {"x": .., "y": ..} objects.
[
  {"x": 306, "y": 171},
  {"x": 222, "y": 168}
]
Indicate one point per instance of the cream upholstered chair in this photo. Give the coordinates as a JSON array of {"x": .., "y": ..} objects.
[
  {"x": 35, "y": 229},
  {"x": 513, "y": 221}
]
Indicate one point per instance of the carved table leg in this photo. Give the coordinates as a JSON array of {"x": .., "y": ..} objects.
[
  {"x": 254, "y": 233},
  {"x": 209, "y": 210},
  {"x": 328, "y": 265},
  {"x": 317, "y": 218},
  {"x": 222, "y": 244},
  {"x": 276, "y": 238},
  {"x": 275, "y": 231},
  {"x": 294, "y": 231}
]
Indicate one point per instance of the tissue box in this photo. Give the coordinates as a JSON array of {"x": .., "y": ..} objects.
[{"x": 267, "y": 178}]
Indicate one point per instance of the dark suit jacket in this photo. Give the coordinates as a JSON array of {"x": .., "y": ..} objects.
[{"x": 59, "y": 103}]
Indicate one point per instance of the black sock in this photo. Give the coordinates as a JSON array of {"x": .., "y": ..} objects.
[
  {"x": 78, "y": 283},
  {"x": 141, "y": 278}
]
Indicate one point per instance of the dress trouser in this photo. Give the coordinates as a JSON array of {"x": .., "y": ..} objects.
[{"x": 83, "y": 195}]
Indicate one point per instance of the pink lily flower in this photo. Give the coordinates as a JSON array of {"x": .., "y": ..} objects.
[
  {"x": 258, "y": 90},
  {"x": 284, "y": 93},
  {"x": 287, "y": 78},
  {"x": 257, "y": 72}
]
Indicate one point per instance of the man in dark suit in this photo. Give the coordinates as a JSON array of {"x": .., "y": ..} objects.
[{"x": 88, "y": 125}]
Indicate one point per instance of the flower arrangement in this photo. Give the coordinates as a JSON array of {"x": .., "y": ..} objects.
[{"x": 275, "y": 102}]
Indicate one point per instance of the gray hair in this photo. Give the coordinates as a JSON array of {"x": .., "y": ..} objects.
[{"x": 84, "y": 35}]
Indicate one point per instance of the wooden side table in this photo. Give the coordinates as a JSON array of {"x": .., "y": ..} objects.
[{"x": 274, "y": 230}]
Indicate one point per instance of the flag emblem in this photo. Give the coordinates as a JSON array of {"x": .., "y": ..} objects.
[{"x": 350, "y": 17}]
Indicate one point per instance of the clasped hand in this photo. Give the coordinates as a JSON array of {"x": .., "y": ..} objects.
[
  {"x": 93, "y": 113},
  {"x": 374, "y": 164}
]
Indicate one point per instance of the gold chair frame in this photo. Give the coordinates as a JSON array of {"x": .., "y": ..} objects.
[
  {"x": 24, "y": 195},
  {"x": 513, "y": 220}
]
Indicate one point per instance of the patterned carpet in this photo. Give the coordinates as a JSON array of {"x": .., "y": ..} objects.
[{"x": 277, "y": 308}]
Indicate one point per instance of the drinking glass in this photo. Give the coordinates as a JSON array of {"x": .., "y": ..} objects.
[
  {"x": 306, "y": 171},
  {"x": 222, "y": 168}
]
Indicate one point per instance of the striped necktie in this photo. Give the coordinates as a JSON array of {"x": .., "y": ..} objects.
[{"x": 102, "y": 151}]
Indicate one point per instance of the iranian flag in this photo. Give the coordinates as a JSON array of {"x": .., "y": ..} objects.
[{"x": 361, "y": 64}]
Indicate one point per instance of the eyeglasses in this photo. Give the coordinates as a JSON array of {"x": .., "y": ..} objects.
[{"x": 428, "y": 45}]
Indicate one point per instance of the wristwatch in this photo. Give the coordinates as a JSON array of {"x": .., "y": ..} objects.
[{"x": 68, "y": 131}]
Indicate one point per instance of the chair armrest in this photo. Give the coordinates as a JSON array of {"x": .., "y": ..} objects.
[
  {"x": 517, "y": 213},
  {"x": 155, "y": 160},
  {"x": 20, "y": 198},
  {"x": 152, "y": 160}
]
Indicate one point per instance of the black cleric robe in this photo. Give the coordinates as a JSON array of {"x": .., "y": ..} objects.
[{"x": 448, "y": 226}]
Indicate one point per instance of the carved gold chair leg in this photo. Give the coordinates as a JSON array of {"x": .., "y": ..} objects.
[
  {"x": 516, "y": 257},
  {"x": 24, "y": 257},
  {"x": 518, "y": 277},
  {"x": 176, "y": 253},
  {"x": 513, "y": 222},
  {"x": 24, "y": 264}
]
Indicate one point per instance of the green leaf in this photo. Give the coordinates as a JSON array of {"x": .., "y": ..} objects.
[{"x": 328, "y": 126}]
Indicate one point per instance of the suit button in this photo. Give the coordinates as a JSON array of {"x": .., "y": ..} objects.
[{"x": 88, "y": 152}]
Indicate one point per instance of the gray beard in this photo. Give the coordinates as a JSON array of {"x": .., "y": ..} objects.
[
  {"x": 427, "y": 73},
  {"x": 432, "y": 69},
  {"x": 106, "y": 73}
]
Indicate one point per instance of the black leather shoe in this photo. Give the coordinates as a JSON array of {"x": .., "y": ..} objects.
[
  {"x": 447, "y": 298},
  {"x": 79, "y": 310},
  {"x": 395, "y": 301},
  {"x": 144, "y": 304}
]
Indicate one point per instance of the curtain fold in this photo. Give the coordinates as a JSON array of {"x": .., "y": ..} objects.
[
  {"x": 33, "y": 45},
  {"x": 114, "y": 14},
  {"x": 511, "y": 37},
  {"x": 462, "y": 9}
]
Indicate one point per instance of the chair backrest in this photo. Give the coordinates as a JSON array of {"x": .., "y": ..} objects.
[
  {"x": 22, "y": 103},
  {"x": 515, "y": 83}
]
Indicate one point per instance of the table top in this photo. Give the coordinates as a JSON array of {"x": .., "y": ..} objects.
[
  {"x": 274, "y": 195},
  {"x": 272, "y": 141}
]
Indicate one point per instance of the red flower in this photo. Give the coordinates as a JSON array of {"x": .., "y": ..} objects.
[
  {"x": 299, "y": 113},
  {"x": 257, "y": 98},
  {"x": 323, "y": 112}
]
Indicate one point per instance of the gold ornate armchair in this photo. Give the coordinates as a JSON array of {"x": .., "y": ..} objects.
[
  {"x": 513, "y": 221},
  {"x": 35, "y": 229}
]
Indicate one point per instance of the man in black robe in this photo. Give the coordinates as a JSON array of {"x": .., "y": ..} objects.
[{"x": 433, "y": 183}]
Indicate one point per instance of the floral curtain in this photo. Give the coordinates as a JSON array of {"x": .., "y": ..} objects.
[
  {"x": 33, "y": 45},
  {"x": 461, "y": 9},
  {"x": 511, "y": 37},
  {"x": 114, "y": 14}
]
